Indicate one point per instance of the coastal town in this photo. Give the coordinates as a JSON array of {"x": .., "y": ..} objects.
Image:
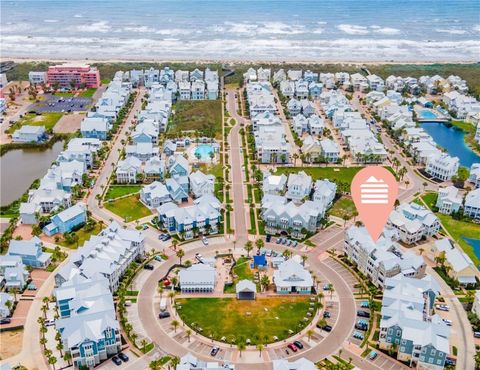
[{"x": 202, "y": 218}]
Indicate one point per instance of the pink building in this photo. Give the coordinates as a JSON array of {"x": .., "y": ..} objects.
[{"x": 80, "y": 74}]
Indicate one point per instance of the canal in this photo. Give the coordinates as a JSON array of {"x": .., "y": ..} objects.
[
  {"x": 20, "y": 167},
  {"x": 452, "y": 140}
]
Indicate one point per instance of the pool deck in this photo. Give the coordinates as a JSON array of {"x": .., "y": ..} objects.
[{"x": 438, "y": 117}]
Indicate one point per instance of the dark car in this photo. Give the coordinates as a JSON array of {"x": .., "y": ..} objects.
[
  {"x": 5, "y": 321},
  {"x": 268, "y": 238},
  {"x": 163, "y": 315},
  {"x": 362, "y": 327},
  {"x": 326, "y": 314},
  {"x": 116, "y": 360},
  {"x": 292, "y": 347},
  {"x": 148, "y": 267},
  {"x": 214, "y": 351},
  {"x": 363, "y": 314},
  {"x": 326, "y": 328},
  {"x": 298, "y": 344},
  {"x": 123, "y": 357},
  {"x": 450, "y": 361}
]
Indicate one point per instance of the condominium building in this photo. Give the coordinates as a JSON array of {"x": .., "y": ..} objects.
[{"x": 73, "y": 75}]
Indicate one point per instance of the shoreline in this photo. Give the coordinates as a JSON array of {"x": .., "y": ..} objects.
[{"x": 233, "y": 61}]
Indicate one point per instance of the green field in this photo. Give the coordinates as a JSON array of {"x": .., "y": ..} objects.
[
  {"x": 242, "y": 269},
  {"x": 88, "y": 93},
  {"x": 116, "y": 191},
  {"x": 343, "y": 207},
  {"x": 48, "y": 120},
  {"x": 83, "y": 236},
  {"x": 259, "y": 320},
  {"x": 201, "y": 116},
  {"x": 129, "y": 208},
  {"x": 457, "y": 229}
]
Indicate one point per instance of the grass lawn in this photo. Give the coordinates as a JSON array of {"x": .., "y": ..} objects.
[
  {"x": 115, "y": 191},
  {"x": 214, "y": 169},
  {"x": 242, "y": 269},
  {"x": 82, "y": 236},
  {"x": 202, "y": 116},
  {"x": 64, "y": 93},
  {"x": 129, "y": 208},
  {"x": 456, "y": 228},
  {"x": 259, "y": 320},
  {"x": 47, "y": 119},
  {"x": 343, "y": 206},
  {"x": 87, "y": 93}
]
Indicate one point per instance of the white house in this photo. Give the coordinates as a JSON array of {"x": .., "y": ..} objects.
[
  {"x": 442, "y": 166},
  {"x": 29, "y": 134},
  {"x": 155, "y": 194},
  {"x": 35, "y": 77},
  {"x": 198, "y": 278},
  {"x": 274, "y": 184},
  {"x": 330, "y": 150},
  {"x": 475, "y": 175},
  {"x": 472, "y": 204},
  {"x": 299, "y": 186},
  {"x": 448, "y": 200},
  {"x": 127, "y": 170},
  {"x": 6, "y": 304},
  {"x": 325, "y": 191},
  {"x": 292, "y": 277},
  {"x": 201, "y": 184},
  {"x": 461, "y": 267}
]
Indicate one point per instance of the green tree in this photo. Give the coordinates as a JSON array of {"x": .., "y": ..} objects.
[
  {"x": 52, "y": 360},
  {"x": 248, "y": 247},
  {"x": 174, "y": 324},
  {"x": 180, "y": 254}
]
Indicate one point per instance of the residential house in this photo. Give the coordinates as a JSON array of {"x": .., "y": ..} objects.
[
  {"x": 29, "y": 134},
  {"x": 325, "y": 191},
  {"x": 154, "y": 168},
  {"x": 315, "y": 89},
  {"x": 291, "y": 277},
  {"x": 31, "y": 252},
  {"x": 95, "y": 128},
  {"x": 294, "y": 107},
  {"x": 413, "y": 222},
  {"x": 301, "y": 89},
  {"x": 37, "y": 78},
  {"x": 128, "y": 170},
  {"x": 66, "y": 221},
  {"x": 274, "y": 184},
  {"x": 279, "y": 76},
  {"x": 329, "y": 150},
  {"x": 376, "y": 83},
  {"x": 475, "y": 175},
  {"x": 294, "y": 75},
  {"x": 307, "y": 107},
  {"x": 263, "y": 74},
  {"x": 310, "y": 76},
  {"x": 198, "y": 90},
  {"x": 472, "y": 204},
  {"x": 6, "y": 304},
  {"x": 311, "y": 149},
  {"x": 142, "y": 151},
  {"x": 287, "y": 88},
  {"x": 315, "y": 125},
  {"x": 201, "y": 184},
  {"x": 448, "y": 200},
  {"x": 460, "y": 266},
  {"x": 442, "y": 166},
  {"x": 299, "y": 186},
  {"x": 155, "y": 194},
  {"x": 14, "y": 272}
]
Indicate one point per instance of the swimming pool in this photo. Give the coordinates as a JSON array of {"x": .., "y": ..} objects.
[
  {"x": 427, "y": 114},
  {"x": 203, "y": 151}
]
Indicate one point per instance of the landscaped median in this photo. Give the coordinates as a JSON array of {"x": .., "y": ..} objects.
[{"x": 261, "y": 321}]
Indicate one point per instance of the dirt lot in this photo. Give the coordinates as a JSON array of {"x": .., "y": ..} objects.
[
  {"x": 68, "y": 123},
  {"x": 14, "y": 339}
]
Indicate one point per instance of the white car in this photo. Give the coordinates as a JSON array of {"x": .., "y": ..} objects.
[
  {"x": 442, "y": 307},
  {"x": 204, "y": 240},
  {"x": 448, "y": 322}
]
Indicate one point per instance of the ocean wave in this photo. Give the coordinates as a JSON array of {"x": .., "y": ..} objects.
[
  {"x": 476, "y": 28},
  {"x": 101, "y": 26},
  {"x": 451, "y": 31},
  {"x": 386, "y": 30},
  {"x": 353, "y": 29},
  {"x": 50, "y": 20}
]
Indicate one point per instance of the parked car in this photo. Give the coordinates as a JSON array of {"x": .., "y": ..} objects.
[
  {"x": 278, "y": 241},
  {"x": 164, "y": 315},
  {"x": 450, "y": 361},
  {"x": 49, "y": 322},
  {"x": 214, "y": 351},
  {"x": 476, "y": 334},
  {"x": 147, "y": 266},
  {"x": 442, "y": 307},
  {"x": 292, "y": 347},
  {"x": 358, "y": 335},
  {"x": 284, "y": 241},
  {"x": 326, "y": 328},
  {"x": 363, "y": 314},
  {"x": 123, "y": 357},
  {"x": 167, "y": 237},
  {"x": 327, "y": 287},
  {"x": 157, "y": 258},
  {"x": 373, "y": 355},
  {"x": 5, "y": 321},
  {"x": 298, "y": 344},
  {"x": 204, "y": 240},
  {"x": 294, "y": 243},
  {"x": 448, "y": 322},
  {"x": 365, "y": 304},
  {"x": 116, "y": 360},
  {"x": 326, "y": 314},
  {"x": 268, "y": 238}
]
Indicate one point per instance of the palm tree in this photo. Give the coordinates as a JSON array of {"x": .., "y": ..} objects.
[
  {"x": 43, "y": 341},
  {"x": 241, "y": 347},
  {"x": 188, "y": 333},
  {"x": 67, "y": 357},
  {"x": 421, "y": 250},
  {"x": 321, "y": 323},
  {"x": 345, "y": 218},
  {"x": 175, "y": 361},
  {"x": 264, "y": 282},
  {"x": 287, "y": 253},
  {"x": 60, "y": 348},
  {"x": 44, "y": 310},
  {"x": 144, "y": 343},
  {"x": 259, "y": 244},
  {"x": 46, "y": 301},
  {"x": 52, "y": 360},
  {"x": 304, "y": 259},
  {"x": 295, "y": 157},
  {"x": 180, "y": 254},
  {"x": 248, "y": 247},
  {"x": 134, "y": 337},
  {"x": 440, "y": 259},
  {"x": 332, "y": 290},
  {"x": 310, "y": 334},
  {"x": 355, "y": 215},
  {"x": 174, "y": 324},
  {"x": 260, "y": 349},
  {"x": 171, "y": 295},
  {"x": 175, "y": 243}
]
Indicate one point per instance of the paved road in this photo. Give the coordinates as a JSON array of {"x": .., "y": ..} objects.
[
  {"x": 112, "y": 160},
  {"x": 236, "y": 160}
]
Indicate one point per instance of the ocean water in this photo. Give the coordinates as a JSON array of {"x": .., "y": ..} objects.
[{"x": 336, "y": 30}]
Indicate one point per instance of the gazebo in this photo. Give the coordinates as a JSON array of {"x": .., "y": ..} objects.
[{"x": 246, "y": 290}]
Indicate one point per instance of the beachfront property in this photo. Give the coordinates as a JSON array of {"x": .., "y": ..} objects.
[
  {"x": 203, "y": 216},
  {"x": 30, "y": 251},
  {"x": 201, "y": 184},
  {"x": 300, "y": 364},
  {"x": 198, "y": 278},
  {"x": 87, "y": 324},
  {"x": 6, "y": 304},
  {"x": 292, "y": 278},
  {"x": 29, "y": 134},
  {"x": 448, "y": 201},
  {"x": 375, "y": 83},
  {"x": 13, "y": 272},
  {"x": 329, "y": 150},
  {"x": 95, "y": 128},
  {"x": 66, "y": 221},
  {"x": 359, "y": 82},
  {"x": 37, "y": 77},
  {"x": 383, "y": 259},
  {"x": 472, "y": 204},
  {"x": 128, "y": 170},
  {"x": 460, "y": 266},
  {"x": 407, "y": 325},
  {"x": 189, "y": 362},
  {"x": 109, "y": 254},
  {"x": 68, "y": 76},
  {"x": 442, "y": 166},
  {"x": 413, "y": 222}
]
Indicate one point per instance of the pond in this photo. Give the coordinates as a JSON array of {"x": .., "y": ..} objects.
[
  {"x": 452, "y": 140},
  {"x": 20, "y": 167},
  {"x": 475, "y": 243}
]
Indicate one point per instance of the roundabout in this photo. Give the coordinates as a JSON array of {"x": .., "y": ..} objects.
[{"x": 199, "y": 322}]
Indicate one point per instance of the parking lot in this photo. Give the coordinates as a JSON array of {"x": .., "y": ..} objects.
[
  {"x": 347, "y": 276},
  {"x": 386, "y": 363},
  {"x": 61, "y": 104}
]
